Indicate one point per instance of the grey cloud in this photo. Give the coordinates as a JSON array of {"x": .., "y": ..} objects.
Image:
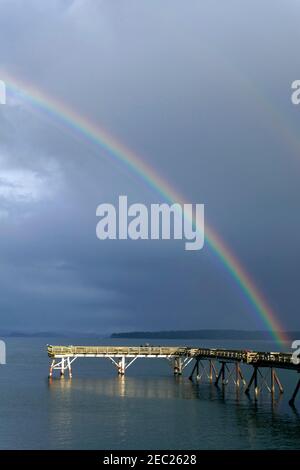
[{"x": 196, "y": 90}]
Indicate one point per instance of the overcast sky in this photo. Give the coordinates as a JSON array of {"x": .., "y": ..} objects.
[{"x": 201, "y": 91}]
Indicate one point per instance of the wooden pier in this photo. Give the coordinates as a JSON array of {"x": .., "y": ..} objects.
[{"x": 219, "y": 365}]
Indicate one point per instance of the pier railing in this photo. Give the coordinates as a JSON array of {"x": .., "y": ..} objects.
[{"x": 55, "y": 351}]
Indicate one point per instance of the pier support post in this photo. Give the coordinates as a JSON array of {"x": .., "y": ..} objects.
[
  {"x": 62, "y": 364},
  {"x": 221, "y": 374},
  {"x": 253, "y": 379},
  {"x": 292, "y": 400},
  {"x": 239, "y": 375},
  {"x": 120, "y": 363},
  {"x": 194, "y": 368},
  {"x": 212, "y": 370},
  {"x": 177, "y": 366},
  {"x": 234, "y": 373},
  {"x": 51, "y": 368},
  {"x": 62, "y": 369},
  {"x": 121, "y": 366},
  {"x": 280, "y": 387},
  {"x": 200, "y": 364},
  {"x": 197, "y": 370},
  {"x": 274, "y": 381},
  {"x": 69, "y": 367}
]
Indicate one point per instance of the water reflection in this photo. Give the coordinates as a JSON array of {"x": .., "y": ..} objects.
[
  {"x": 111, "y": 411},
  {"x": 129, "y": 387},
  {"x": 163, "y": 388}
]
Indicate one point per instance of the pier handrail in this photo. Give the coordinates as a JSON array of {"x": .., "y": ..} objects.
[{"x": 113, "y": 350}]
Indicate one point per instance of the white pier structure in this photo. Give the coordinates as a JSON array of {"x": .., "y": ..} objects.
[
  {"x": 224, "y": 364},
  {"x": 121, "y": 357}
]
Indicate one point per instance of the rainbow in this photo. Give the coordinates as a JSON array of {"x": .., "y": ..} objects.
[{"x": 100, "y": 137}]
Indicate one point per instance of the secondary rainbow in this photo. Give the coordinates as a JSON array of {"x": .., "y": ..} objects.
[{"x": 99, "y": 136}]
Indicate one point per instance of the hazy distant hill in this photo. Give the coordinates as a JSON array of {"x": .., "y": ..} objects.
[
  {"x": 49, "y": 334},
  {"x": 202, "y": 334}
]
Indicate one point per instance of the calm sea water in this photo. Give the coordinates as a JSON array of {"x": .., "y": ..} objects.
[{"x": 148, "y": 409}]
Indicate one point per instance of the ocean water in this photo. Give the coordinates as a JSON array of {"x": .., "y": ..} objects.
[{"x": 147, "y": 409}]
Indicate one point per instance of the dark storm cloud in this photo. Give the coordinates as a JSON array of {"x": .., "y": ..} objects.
[{"x": 188, "y": 87}]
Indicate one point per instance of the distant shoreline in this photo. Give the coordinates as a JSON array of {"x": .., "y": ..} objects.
[
  {"x": 202, "y": 334},
  {"x": 51, "y": 334},
  {"x": 162, "y": 334}
]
